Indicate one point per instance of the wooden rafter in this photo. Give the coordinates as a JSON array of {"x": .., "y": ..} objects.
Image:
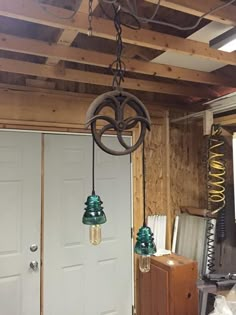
[
  {"x": 30, "y": 10},
  {"x": 59, "y": 52},
  {"x": 198, "y": 8},
  {"x": 55, "y": 72},
  {"x": 25, "y": 107},
  {"x": 226, "y": 120},
  {"x": 67, "y": 36},
  {"x": 155, "y": 107}
]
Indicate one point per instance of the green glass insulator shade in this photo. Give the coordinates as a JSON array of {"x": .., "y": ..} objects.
[
  {"x": 145, "y": 245},
  {"x": 94, "y": 213}
]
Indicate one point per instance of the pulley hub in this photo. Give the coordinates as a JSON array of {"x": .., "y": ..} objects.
[{"x": 117, "y": 112}]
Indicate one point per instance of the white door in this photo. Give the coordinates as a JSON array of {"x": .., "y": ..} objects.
[
  {"x": 79, "y": 278},
  {"x": 20, "y": 210}
]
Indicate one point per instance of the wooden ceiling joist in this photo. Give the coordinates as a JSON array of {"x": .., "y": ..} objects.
[
  {"x": 76, "y": 97},
  {"x": 198, "y": 8},
  {"x": 60, "y": 52},
  {"x": 67, "y": 36},
  {"x": 30, "y": 10},
  {"x": 226, "y": 120},
  {"x": 55, "y": 72}
]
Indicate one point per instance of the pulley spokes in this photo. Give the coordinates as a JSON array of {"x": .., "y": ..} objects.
[{"x": 125, "y": 113}]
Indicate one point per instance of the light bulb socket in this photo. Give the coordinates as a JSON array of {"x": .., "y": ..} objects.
[
  {"x": 145, "y": 245},
  {"x": 94, "y": 213}
]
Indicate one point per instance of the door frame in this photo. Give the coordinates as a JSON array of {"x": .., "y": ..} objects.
[{"x": 133, "y": 189}]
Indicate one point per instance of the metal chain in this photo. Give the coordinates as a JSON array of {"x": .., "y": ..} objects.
[
  {"x": 90, "y": 16},
  {"x": 118, "y": 66}
]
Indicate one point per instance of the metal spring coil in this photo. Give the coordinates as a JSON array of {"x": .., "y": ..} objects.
[
  {"x": 210, "y": 247},
  {"x": 216, "y": 191},
  {"x": 216, "y": 171}
]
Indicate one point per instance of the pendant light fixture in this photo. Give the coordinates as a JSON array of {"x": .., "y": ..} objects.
[
  {"x": 94, "y": 215},
  {"x": 145, "y": 246}
]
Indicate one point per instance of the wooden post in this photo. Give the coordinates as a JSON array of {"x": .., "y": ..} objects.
[{"x": 207, "y": 122}]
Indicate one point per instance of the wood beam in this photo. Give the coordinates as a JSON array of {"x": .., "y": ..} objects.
[
  {"x": 55, "y": 72},
  {"x": 40, "y": 83},
  {"x": 21, "y": 105},
  {"x": 208, "y": 120},
  {"x": 58, "y": 52},
  {"x": 198, "y": 8},
  {"x": 155, "y": 108},
  {"x": 67, "y": 36},
  {"x": 226, "y": 120},
  {"x": 30, "y": 10}
]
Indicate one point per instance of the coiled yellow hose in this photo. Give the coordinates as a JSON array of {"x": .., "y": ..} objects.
[{"x": 216, "y": 171}]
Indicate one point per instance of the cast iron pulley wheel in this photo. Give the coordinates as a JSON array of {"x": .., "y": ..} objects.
[{"x": 117, "y": 112}]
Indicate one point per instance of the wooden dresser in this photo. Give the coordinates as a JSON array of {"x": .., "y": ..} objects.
[{"x": 169, "y": 288}]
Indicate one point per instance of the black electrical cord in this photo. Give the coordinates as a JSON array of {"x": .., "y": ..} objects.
[
  {"x": 93, "y": 166},
  {"x": 144, "y": 185},
  {"x": 123, "y": 14},
  {"x": 131, "y": 10}
]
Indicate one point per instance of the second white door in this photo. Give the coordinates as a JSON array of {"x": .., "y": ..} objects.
[{"x": 79, "y": 278}]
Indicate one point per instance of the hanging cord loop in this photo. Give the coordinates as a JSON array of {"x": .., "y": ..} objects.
[{"x": 118, "y": 66}]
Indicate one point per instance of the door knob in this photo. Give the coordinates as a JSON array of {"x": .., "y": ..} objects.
[
  {"x": 34, "y": 265},
  {"x": 33, "y": 248}
]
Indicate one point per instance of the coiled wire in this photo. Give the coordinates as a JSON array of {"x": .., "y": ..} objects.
[
  {"x": 210, "y": 246},
  {"x": 216, "y": 189},
  {"x": 216, "y": 171}
]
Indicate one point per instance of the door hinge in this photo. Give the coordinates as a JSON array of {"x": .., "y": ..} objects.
[{"x": 132, "y": 233}]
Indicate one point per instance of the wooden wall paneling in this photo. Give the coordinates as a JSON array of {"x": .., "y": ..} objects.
[
  {"x": 187, "y": 166},
  {"x": 155, "y": 157},
  {"x": 169, "y": 212},
  {"x": 158, "y": 171},
  {"x": 201, "y": 151},
  {"x": 137, "y": 208}
]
